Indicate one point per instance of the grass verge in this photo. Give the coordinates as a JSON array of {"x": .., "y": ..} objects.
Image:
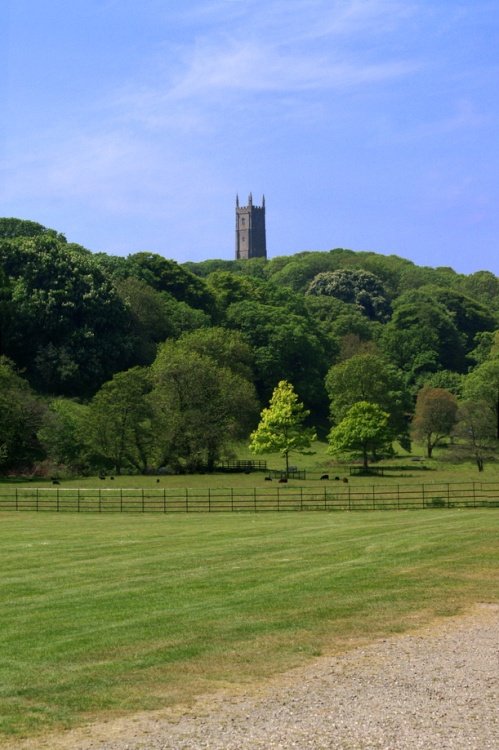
[{"x": 105, "y": 615}]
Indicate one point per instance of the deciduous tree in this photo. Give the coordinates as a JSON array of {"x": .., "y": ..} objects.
[
  {"x": 422, "y": 337},
  {"x": 21, "y": 415},
  {"x": 119, "y": 420},
  {"x": 282, "y": 425},
  {"x": 434, "y": 417},
  {"x": 286, "y": 346},
  {"x": 363, "y": 430},
  {"x": 361, "y": 288},
  {"x": 64, "y": 434},
  {"x": 482, "y": 384},
  {"x": 370, "y": 377},
  {"x": 200, "y": 407},
  {"x": 229, "y": 349},
  {"x": 68, "y": 327},
  {"x": 475, "y": 432}
]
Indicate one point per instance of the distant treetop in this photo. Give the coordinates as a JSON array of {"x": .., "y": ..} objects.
[{"x": 11, "y": 228}]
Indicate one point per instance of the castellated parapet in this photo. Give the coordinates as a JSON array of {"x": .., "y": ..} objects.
[{"x": 250, "y": 230}]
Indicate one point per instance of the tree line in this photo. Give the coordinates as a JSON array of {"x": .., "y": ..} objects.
[{"x": 140, "y": 363}]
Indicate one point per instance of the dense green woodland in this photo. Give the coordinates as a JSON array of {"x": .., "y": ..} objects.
[{"x": 139, "y": 363}]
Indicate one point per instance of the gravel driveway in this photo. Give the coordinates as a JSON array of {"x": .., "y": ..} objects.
[{"x": 435, "y": 689}]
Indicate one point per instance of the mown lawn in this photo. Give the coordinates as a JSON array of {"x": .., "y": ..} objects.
[{"x": 108, "y": 614}]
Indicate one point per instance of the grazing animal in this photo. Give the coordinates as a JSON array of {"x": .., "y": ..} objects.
[
  {"x": 283, "y": 480},
  {"x": 325, "y": 476},
  {"x": 345, "y": 480},
  {"x": 336, "y": 479},
  {"x": 268, "y": 479},
  {"x": 157, "y": 481},
  {"x": 55, "y": 481},
  {"x": 111, "y": 477}
]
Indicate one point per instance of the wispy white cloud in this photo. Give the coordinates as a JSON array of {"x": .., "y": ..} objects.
[
  {"x": 275, "y": 49},
  {"x": 263, "y": 67},
  {"x": 303, "y": 18},
  {"x": 229, "y": 55},
  {"x": 299, "y": 45}
]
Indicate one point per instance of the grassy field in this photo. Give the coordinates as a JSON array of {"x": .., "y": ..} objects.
[
  {"x": 109, "y": 614},
  {"x": 411, "y": 468}
]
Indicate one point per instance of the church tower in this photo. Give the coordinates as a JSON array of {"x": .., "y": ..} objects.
[{"x": 250, "y": 230}]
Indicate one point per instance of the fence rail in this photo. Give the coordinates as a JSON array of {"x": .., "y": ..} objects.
[
  {"x": 237, "y": 465},
  {"x": 285, "y": 498}
]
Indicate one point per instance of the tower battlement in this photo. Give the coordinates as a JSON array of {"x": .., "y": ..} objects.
[{"x": 250, "y": 230}]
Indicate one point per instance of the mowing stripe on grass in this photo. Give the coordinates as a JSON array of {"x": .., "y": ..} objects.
[{"x": 117, "y": 613}]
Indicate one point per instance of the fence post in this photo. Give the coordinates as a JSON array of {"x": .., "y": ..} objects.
[
  {"x": 17, "y": 502},
  {"x": 232, "y": 499},
  {"x": 424, "y": 506},
  {"x": 398, "y": 496},
  {"x": 349, "y": 499},
  {"x": 278, "y": 499},
  {"x": 164, "y": 500},
  {"x": 100, "y": 500},
  {"x": 209, "y": 500},
  {"x": 121, "y": 499},
  {"x": 474, "y": 496},
  {"x": 254, "y": 498},
  {"x": 374, "y": 499},
  {"x": 142, "y": 499},
  {"x": 448, "y": 495},
  {"x": 301, "y": 498},
  {"x": 78, "y": 499},
  {"x": 57, "y": 499},
  {"x": 186, "y": 500}
]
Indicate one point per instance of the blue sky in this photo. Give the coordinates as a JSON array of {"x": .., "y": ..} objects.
[{"x": 367, "y": 124}]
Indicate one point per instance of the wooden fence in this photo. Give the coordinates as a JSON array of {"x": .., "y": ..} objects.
[
  {"x": 241, "y": 465},
  {"x": 269, "y": 498}
]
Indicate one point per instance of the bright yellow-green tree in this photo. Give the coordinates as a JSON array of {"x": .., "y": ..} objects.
[
  {"x": 282, "y": 425},
  {"x": 363, "y": 430}
]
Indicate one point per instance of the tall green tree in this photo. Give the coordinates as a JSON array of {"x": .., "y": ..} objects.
[
  {"x": 286, "y": 346},
  {"x": 68, "y": 329},
  {"x": 10, "y": 228},
  {"x": 200, "y": 407},
  {"x": 422, "y": 337},
  {"x": 64, "y": 435},
  {"x": 434, "y": 417},
  {"x": 363, "y": 430},
  {"x": 486, "y": 347},
  {"x": 282, "y": 425},
  {"x": 155, "y": 317},
  {"x": 469, "y": 316},
  {"x": 482, "y": 384},
  {"x": 483, "y": 286},
  {"x": 360, "y": 288},
  {"x": 450, "y": 381},
  {"x": 167, "y": 275},
  {"x": 228, "y": 288},
  {"x": 370, "y": 377},
  {"x": 475, "y": 432},
  {"x": 5, "y": 308},
  {"x": 229, "y": 349},
  {"x": 120, "y": 421},
  {"x": 21, "y": 416}
]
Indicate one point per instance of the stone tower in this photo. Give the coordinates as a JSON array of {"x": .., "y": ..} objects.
[{"x": 250, "y": 230}]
